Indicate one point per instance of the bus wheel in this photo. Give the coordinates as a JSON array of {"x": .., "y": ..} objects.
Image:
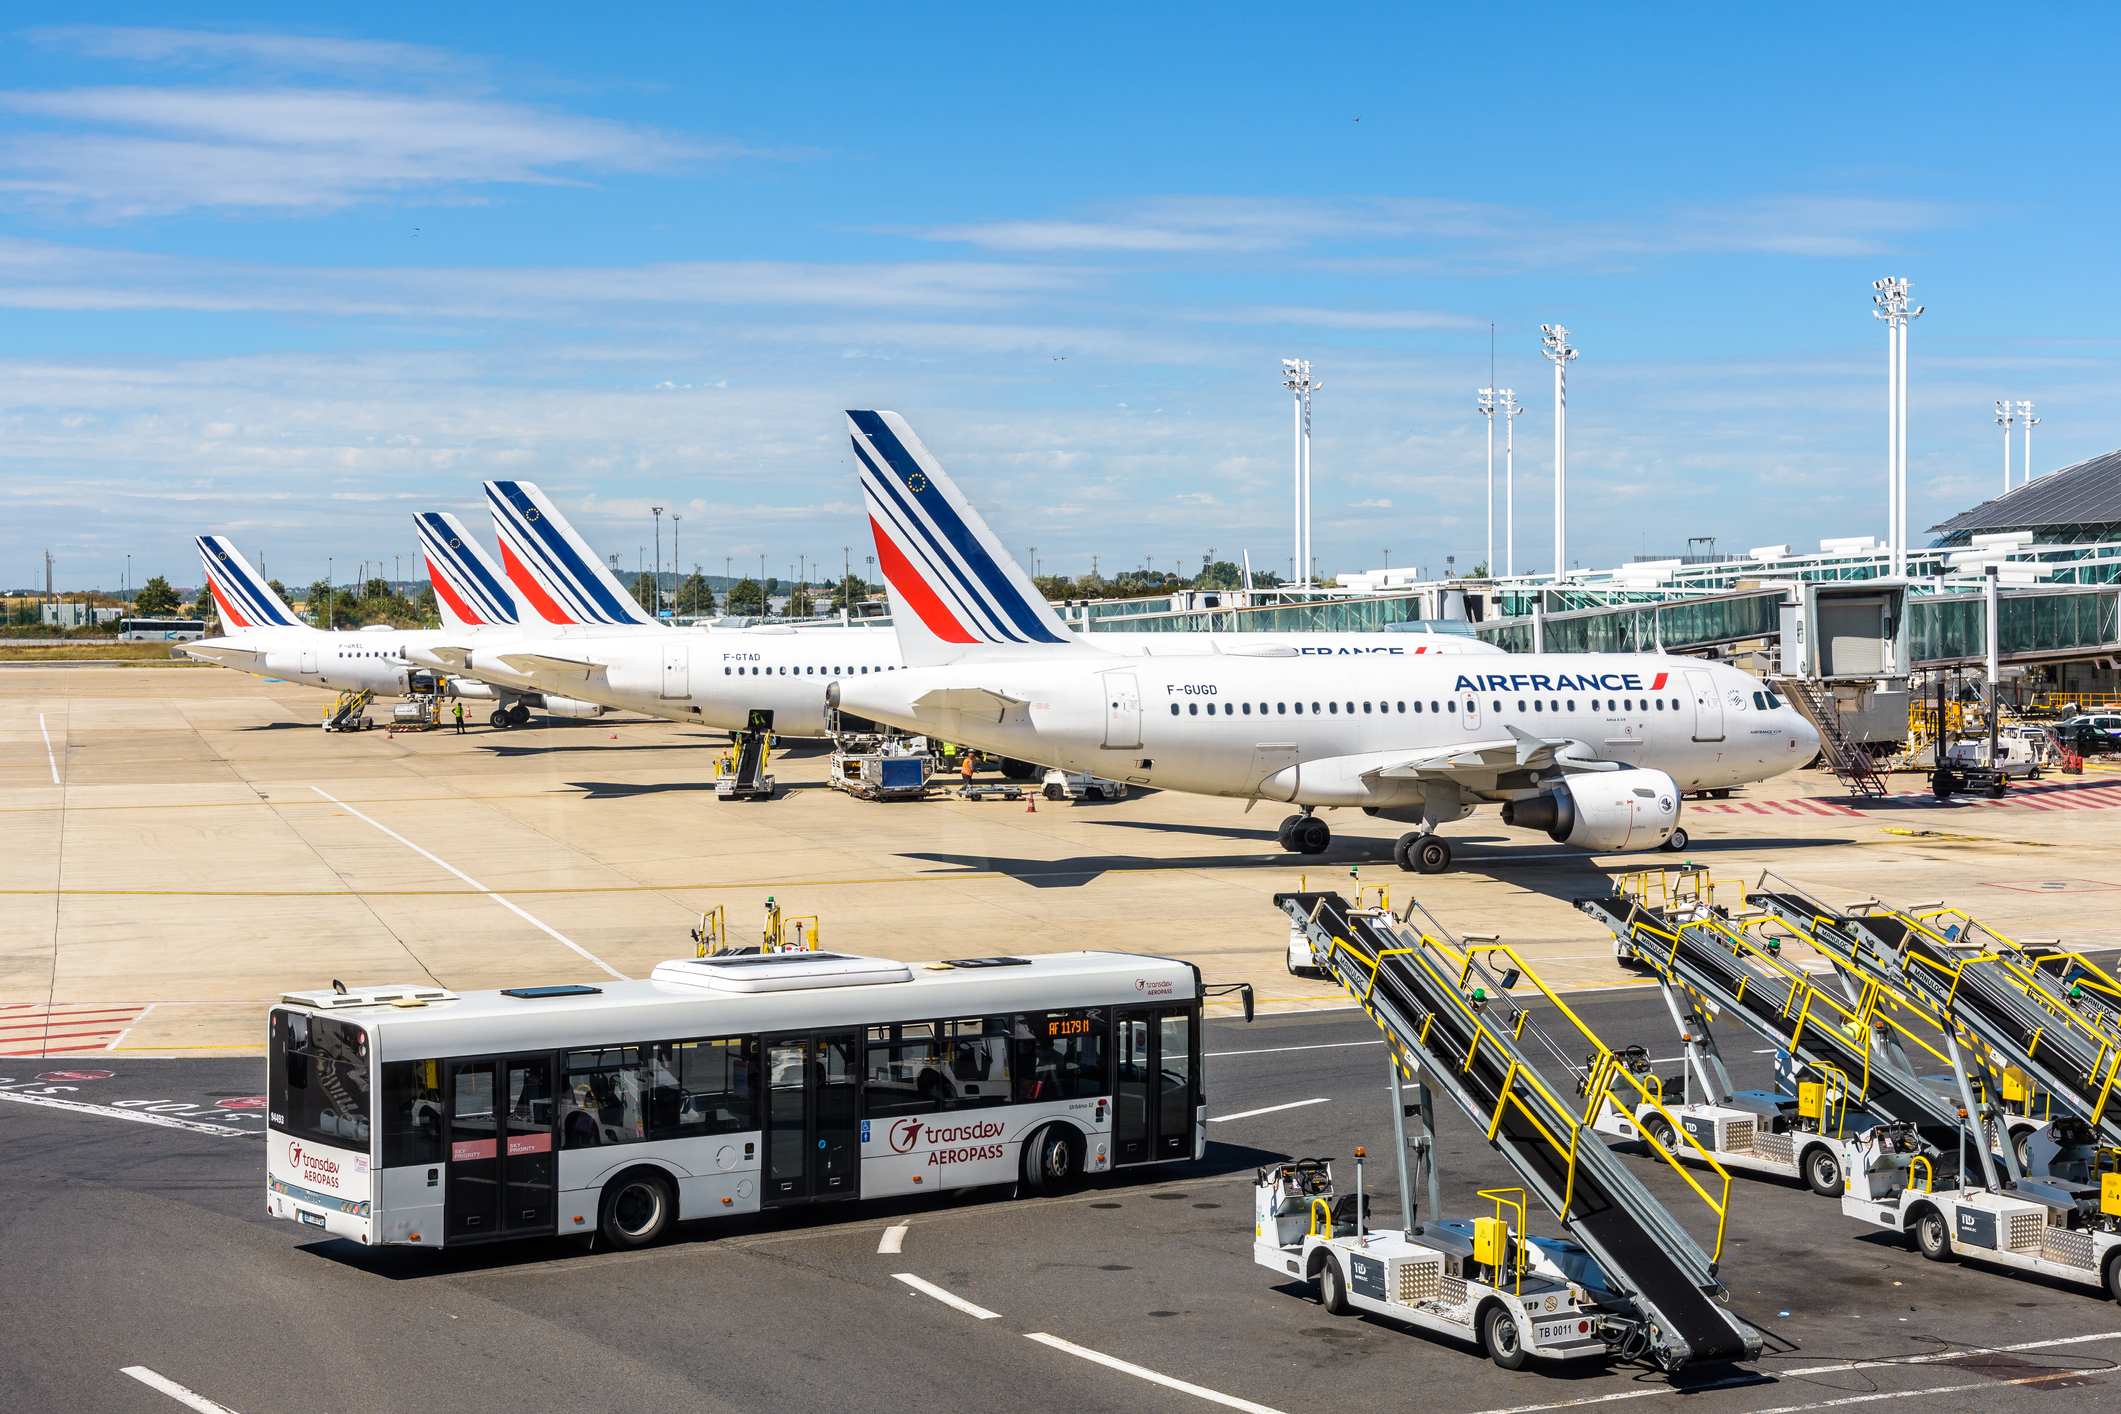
[
  {"x": 637, "y": 1209},
  {"x": 1051, "y": 1164}
]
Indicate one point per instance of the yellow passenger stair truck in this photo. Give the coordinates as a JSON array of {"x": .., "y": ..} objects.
[{"x": 1627, "y": 1283}]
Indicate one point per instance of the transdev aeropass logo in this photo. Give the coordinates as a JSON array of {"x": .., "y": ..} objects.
[{"x": 905, "y": 1134}]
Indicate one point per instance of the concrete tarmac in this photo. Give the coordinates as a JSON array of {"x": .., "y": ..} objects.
[
  {"x": 179, "y": 847},
  {"x": 141, "y": 1245}
]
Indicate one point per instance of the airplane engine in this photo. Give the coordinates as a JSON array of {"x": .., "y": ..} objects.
[
  {"x": 475, "y": 691},
  {"x": 1603, "y": 810},
  {"x": 572, "y": 707}
]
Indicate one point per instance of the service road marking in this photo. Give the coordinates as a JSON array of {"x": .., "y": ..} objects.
[
  {"x": 562, "y": 938},
  {"x": 137, "y": 1116},
  {"x": 892, "y": 1239},
  {"x": 1229, "y": 1401},
  {"x": 1277, "y": 1050},
  {"x": 946, "y": 1297},
  {"x": 1271, "y": 1109},
  {"x": 49, "y": 758},
  {"x": 1778, "y": 1378},
  {"x": 191, "y": 1399}
]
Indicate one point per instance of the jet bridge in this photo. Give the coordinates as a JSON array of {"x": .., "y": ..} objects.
[{"x": 1648, "y": 1289}]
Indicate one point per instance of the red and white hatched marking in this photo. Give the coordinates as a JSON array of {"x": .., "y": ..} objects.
[{"x": 68, "y": 1029}]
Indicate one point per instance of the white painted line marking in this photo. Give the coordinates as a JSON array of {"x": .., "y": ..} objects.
[
  {"x": 138, "y": 1116},
  {"x": 1229, "y": 1401},
  {"x": 892, "y": 1239},
  {"x": 1247, "y": 1114},
  {"x": 562, "y": 938},
  {"x": 946, "y": 1297},
  {"x": 53, "y": 760},
  {"x": 1277, "y": 1050},
  {"x": 129, "y": 1030},
  {"x": 1824, "y": 1370},
  {"x": 188, "y": 1398}
]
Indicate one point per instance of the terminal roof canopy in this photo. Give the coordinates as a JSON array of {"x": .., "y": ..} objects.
[{"x": 2077, "y": 505}]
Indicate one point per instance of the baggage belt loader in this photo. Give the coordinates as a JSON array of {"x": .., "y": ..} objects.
[
  {"x": 1841, "y": 1063},
  {"x": 2061, "y": 1219},
  {"x": 1628, "y": 1282}
]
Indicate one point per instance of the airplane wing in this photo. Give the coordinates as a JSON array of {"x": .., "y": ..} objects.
[
  {"x": 227, "y": 657},
  {"x": 1487, "y": 759},
  {"x": 452, "y": 658},
  {"x": 969, "y": 699},
  {"x": 537, "y": 665}
]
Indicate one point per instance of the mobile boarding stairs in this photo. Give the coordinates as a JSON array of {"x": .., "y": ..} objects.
[
  {"x": 2047, "y": 1197},
  {"x": 1632, "y": 1284}
]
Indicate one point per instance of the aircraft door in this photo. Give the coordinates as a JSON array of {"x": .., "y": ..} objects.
[
  {"x": 1470, "y": 718},
  {"x": 309, "y": 660},
  {"x": 677, "y": 673},
  {"x": 1708, "y": 707},
  {"x": 1123, "y": 711}
]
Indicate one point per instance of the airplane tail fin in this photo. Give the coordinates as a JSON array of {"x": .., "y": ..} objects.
[
  {"x": 956, "y": 594},
  {"x": 559, "y": 579},
  {"x": 469, "y": 589},
  {"x": 241, "y": 595}
]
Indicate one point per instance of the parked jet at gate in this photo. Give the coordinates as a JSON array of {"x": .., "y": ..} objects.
[
  {"x": 261, "y": 635},
  {"x": 584, "y": 635},
  {"x": 1592, "y": 748}
]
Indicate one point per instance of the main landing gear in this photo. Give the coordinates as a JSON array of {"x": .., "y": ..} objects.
[
  {"x": 1418, "y": 853},
  {"x": 505, "y": 717},
  {"x": 1305, "y": 834}
]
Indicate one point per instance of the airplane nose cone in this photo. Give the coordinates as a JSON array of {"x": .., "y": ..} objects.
[{"x": 1807, "y": 737}]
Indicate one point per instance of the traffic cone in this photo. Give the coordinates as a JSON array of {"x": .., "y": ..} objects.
[{"x": 1032, "y": 808}]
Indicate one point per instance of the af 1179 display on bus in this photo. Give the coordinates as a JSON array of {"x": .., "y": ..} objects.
[{"x": 722, "y": 1085}]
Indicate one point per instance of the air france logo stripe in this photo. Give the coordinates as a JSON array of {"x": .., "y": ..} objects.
[
  {"x": 913, "y": 591},
  {"x": 937, "y": 543},
  {"x": 243, "y": 599},
  {"x": 542, "y": 542},
  {"x": 512, "y": 512},
  {"x": 461, "y": 573}
]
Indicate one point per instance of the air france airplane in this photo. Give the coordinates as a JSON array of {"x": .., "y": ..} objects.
[
  {"x": 1592, "y": 748},
  {"x": 585, "y": 635},
  {"x": 261, "y": 635}
]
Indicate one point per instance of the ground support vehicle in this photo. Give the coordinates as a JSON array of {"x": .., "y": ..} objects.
[
  {"x": 996, "y": 791},
  {"x": 741, "y": 775},
  {"x": 1081, "y": 785},
  {"x": 1841, "y": 1063},
  {"x": 1627, "y": 1283},
  {"x": 348, "y": 712},
  {"x": 722, "y": 1085},
  {"x": 417, "y": 713},
  {"x": 888, "y": 773}
]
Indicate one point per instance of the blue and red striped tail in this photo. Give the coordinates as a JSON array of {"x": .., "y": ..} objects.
[
  {"x": 558, "y": 577},
  {"x": 956, "y": 593},
  {"x": 241, "y": 595},
  {"x": 469, "y": 589}
]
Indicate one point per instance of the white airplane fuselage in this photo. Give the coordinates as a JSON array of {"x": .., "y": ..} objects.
[
  {"x": 718, "y": 677},
  {"x": 337, "y": 661},
  {"x": 1316, "y": 731}
]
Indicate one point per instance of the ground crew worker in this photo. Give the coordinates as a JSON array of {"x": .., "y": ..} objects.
[
  {"x": 970, "y": 758},
  {"x": 459, "y": 708}
]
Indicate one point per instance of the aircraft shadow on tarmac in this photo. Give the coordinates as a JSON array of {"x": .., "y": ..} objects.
[
  {"x": 1116, "y": 1190},
  {"x": 1558, "y": 877}
]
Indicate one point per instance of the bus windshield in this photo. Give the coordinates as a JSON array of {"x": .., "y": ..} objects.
[{"x": 318, "y": 1079}]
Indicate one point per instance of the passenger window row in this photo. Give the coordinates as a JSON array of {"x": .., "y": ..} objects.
[
  {"x": 1626, "y": 704},
  {"x": 807, "y": 672}
]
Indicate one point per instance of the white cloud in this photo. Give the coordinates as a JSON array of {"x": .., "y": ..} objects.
[
  {"x": 293, "y": 149},
  {"x": 282, "y": 51}
]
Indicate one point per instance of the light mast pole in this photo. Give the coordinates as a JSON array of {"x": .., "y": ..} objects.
[{"x": 1555, "y": 345}]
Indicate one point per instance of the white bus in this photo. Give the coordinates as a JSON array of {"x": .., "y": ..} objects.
[
  {"x": 160, "y": 630},
  {"x": 722, "y": 1085}
]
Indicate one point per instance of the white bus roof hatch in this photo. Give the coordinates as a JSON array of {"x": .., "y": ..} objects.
[{"x": 781, "y": 972}]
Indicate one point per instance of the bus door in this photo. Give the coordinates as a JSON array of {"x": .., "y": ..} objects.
[
  {"x": 503, "y": 1174},
  {"x": 1153, "y": 1095},
  {"x": 813, "y": 1120}
]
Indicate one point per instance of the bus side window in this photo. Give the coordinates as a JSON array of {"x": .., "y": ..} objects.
[
  {"x": 905, "y": 1071},
  {"x": 1062, "y": 1055},
  {"x": 601, "y": 1099},
  {"x": 412, "y": 1113},
  {"x": 979, "y": 1061},
  {"x": 702, "y": 1087}
]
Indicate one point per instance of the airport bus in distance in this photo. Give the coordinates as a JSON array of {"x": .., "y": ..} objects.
[
  {"x": 160, "y": 630},
  {"x": 722, "y": 1085}
]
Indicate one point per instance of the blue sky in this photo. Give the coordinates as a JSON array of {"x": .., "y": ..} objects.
[{"x": 271, "y": 276}]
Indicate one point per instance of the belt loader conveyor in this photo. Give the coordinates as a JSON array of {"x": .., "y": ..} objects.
[
  {"x": 2065, "y": 1221},
  {"x": 1700, "y": 952},
  {"x": 1632, "y": 1284}
]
